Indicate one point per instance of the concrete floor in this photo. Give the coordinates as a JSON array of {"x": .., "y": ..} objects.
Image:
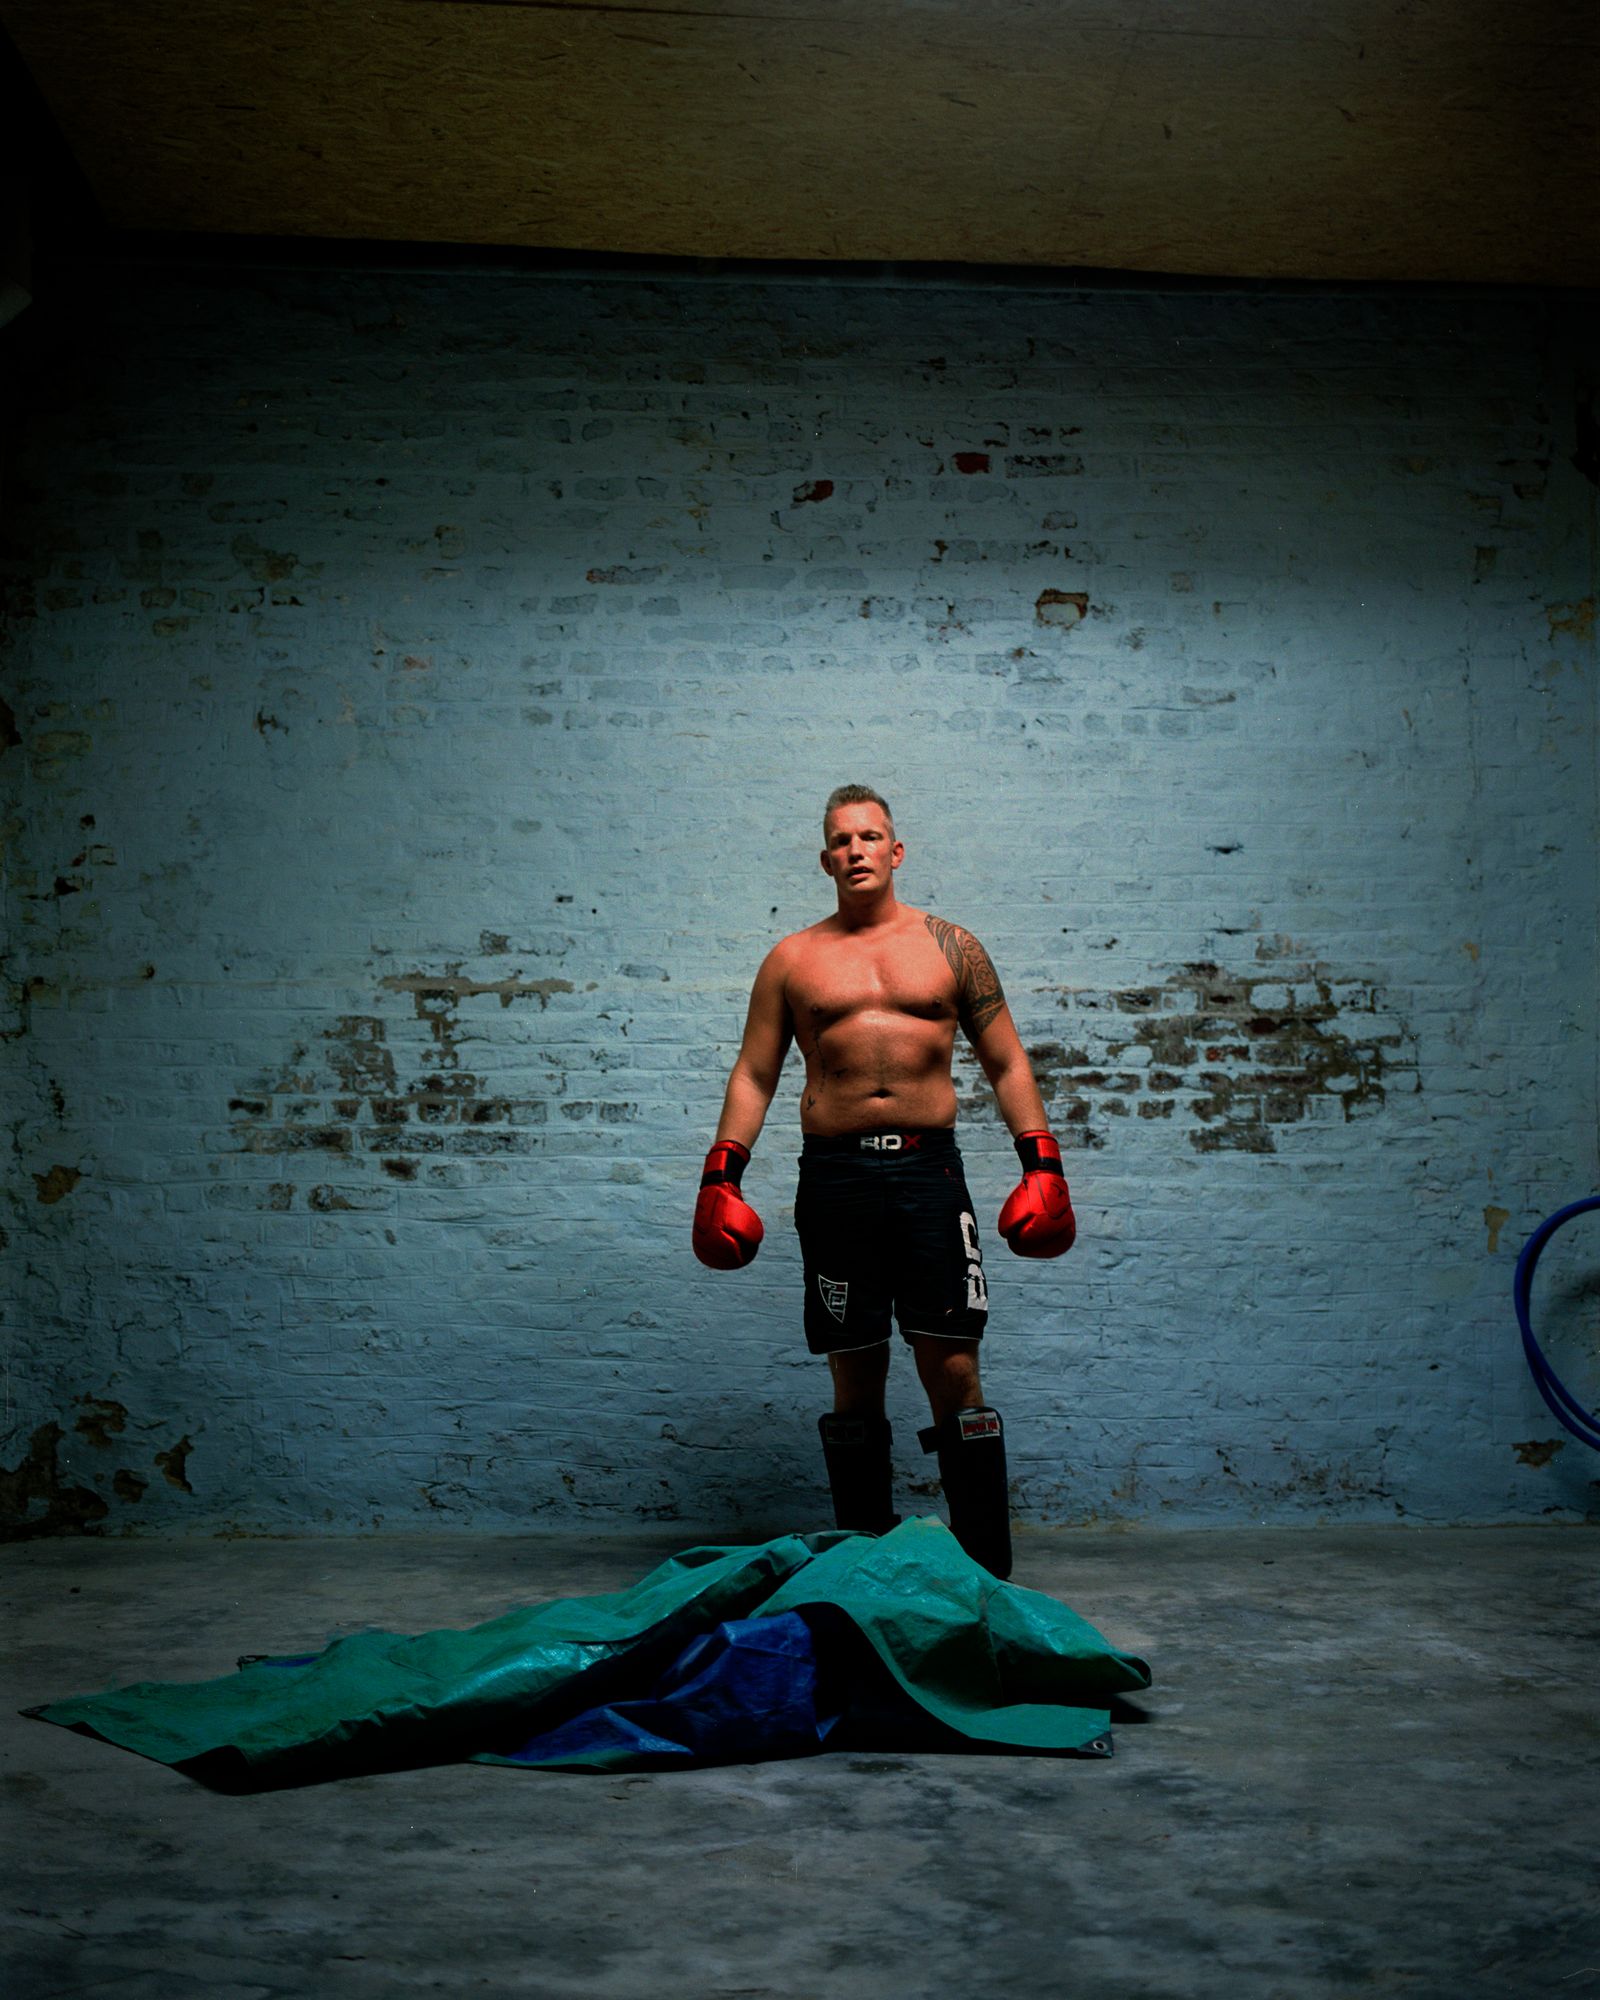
[{"x": 1367, "y": 1766}]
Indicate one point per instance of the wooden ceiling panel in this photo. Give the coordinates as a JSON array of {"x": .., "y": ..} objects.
[{"x": 1447, "y": 139}]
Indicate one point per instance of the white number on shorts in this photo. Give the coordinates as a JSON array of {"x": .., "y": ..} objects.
[{"x": 977, "y": 1289}]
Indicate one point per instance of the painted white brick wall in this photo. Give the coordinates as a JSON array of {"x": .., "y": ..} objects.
[{"x": 422, "y": 696}]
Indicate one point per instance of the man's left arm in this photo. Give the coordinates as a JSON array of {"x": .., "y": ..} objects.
[{"x": 1037, "y": 1219}]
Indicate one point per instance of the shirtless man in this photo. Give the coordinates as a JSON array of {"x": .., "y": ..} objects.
[{"x": 874, "y": 995}]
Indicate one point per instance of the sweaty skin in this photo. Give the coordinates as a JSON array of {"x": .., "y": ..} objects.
[{"x": 873, "y": 995}]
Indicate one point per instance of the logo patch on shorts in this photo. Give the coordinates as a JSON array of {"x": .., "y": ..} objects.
[{"x": 834, "y": 1294}]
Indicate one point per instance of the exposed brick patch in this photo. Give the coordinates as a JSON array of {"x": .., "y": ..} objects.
[{"x": 1234, "y": 1057}]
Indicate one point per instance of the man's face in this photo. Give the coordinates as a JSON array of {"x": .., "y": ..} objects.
[{"x": 860, "y": 852}]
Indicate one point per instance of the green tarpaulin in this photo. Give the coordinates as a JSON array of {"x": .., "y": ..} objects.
[{"x": 905, "y": 1636}]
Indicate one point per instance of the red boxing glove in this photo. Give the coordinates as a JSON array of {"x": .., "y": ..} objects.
[
  {"x": 1037, "y": 1220},
  {"x": 727, "y": 1230}
]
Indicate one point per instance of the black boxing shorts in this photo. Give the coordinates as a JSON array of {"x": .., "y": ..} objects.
[{"x": 886, "y": 1227}]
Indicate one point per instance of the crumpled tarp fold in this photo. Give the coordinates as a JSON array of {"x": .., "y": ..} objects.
[{"x": 719, "y": 1654}]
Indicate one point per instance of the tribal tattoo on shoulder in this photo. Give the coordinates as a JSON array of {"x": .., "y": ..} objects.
[{"x": 978, "y": 993}]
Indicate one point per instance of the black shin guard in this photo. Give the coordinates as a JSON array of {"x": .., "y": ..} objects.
[
  {"x": 860, "y": 1476},
  {"x": 972, "y": 1466}
]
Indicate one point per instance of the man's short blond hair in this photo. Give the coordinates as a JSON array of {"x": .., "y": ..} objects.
[{"x": 856, "y": 795}]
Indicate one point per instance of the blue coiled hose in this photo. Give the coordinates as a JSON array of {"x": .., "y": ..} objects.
[{"x": 1569, "y": 1412}]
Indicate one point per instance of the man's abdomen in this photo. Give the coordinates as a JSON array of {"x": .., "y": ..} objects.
[{"x": 876, "y": 1073}]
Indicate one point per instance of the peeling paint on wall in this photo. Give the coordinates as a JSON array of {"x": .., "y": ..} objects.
[
  {"x": 370, "y": 1090},
  {"x": 1234, "y": 1056},
  {"x": 1576, "y": 619},
  {"x": 1063, "y": 608},
  {"x": 428, "y": 989},
  {"x": 56, "y": 1185},
  {"x": 39, "y": 1496},
  {"x": 174, "y": 1462},
  {"x": 98, "y": 1419},
  {"x": 36, "y": 1497}
]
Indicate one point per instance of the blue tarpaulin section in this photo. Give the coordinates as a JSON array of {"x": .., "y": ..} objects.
[
  {"x": 775, "y": 1649},
  {"x": 746, "y": 1691}
]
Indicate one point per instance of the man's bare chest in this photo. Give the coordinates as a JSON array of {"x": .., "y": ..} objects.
[{"x": 837, "y": 979}]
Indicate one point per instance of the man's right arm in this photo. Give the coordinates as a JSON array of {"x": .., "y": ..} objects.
[
  {"x": 768, "y": 1031},
  {"x": 727, "y": 1230}
]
